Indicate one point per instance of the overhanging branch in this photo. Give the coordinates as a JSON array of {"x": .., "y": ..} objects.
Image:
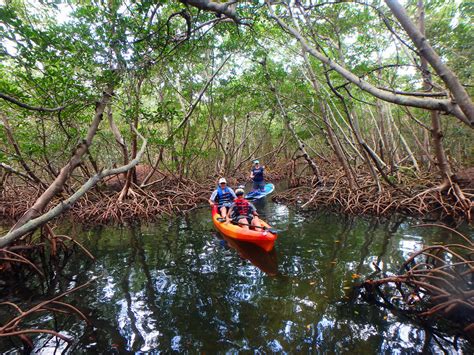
[
  {"x": 221, "y": 8},
  {"x": 445, "y": 105},
  {"x": 29, "y": 107}
]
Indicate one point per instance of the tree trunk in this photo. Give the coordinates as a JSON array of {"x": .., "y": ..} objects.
[
  {"x": 57, "y": 185},
  {"x": 428, "y": 55},
  {"x": 449, "y": 180},
  {"x": 404, "y": 142},
  {"x": 331, "y": 136},
  {"x": 436, "y": 130},
  {"x": 132, "y": 173},
  {"x": 301, "y": 145}
]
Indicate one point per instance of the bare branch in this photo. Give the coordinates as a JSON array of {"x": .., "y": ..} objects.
[{"x": 198, "y": 99}]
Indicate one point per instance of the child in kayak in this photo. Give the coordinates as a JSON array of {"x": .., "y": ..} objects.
[
  {"x": 223, "y": 195},
  {"x": 243, "y": 212}
]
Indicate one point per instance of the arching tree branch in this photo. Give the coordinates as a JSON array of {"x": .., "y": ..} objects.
[
  {"x": 58, "y": 184},
  {"x": 446, "y": 106},
  {"x": 66, "y": 204},
  {"x": 29, "y": 107},
  {"x": 450, "y": 79}
]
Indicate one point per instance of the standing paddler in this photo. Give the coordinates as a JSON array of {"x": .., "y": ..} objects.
[{"x": 257, "y": 177}]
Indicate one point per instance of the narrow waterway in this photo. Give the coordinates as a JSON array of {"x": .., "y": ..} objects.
[{"x": 178, "y": 285}]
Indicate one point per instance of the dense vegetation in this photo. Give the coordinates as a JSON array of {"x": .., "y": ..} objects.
[{"x": 116, "y": 110}]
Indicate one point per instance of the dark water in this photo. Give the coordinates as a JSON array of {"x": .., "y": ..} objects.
[{"x": 178, "y": 286}]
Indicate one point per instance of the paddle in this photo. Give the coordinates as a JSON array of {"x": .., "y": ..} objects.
[{"x": 271, "y": 230}]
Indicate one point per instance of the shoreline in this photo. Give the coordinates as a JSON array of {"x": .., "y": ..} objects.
[{"x": 107, "y": 210}]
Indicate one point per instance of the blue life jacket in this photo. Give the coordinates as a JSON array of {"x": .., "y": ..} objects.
[
  {"x": 224, "y": 195},
  {"x": 257, "y": 174}
]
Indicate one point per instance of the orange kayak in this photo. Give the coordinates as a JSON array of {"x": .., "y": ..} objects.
[{"x": 261, "y": 237}]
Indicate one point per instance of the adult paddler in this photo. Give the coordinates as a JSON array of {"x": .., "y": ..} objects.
[
  {"x": 223, "y": 195},
  {"x": 257, "y": 177}
]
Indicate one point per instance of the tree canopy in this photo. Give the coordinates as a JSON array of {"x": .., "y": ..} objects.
[{"x": 212, "y": 85}]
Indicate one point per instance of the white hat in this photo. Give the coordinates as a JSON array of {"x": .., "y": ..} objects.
[
  {"x": 239, "y": 191},
  {"x": 222, "y": 180},
  {"x": 256, "y": 161}
]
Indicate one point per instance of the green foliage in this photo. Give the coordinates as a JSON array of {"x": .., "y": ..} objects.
[{"x": 55, "y": 54}]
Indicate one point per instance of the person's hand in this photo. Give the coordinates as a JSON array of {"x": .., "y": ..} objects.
[{"x": 227, "y": 221}]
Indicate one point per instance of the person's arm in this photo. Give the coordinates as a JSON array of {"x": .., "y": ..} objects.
[
  {"x": 232, "y": 193},
  {"x": 253, "y": 209},
  {"x": 212, "y": 199},
  {"x": 251, "y": 174}
]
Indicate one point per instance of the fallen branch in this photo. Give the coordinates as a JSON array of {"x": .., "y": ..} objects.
[
  {"x": 436, "y": 283},
  {"x": 67, "y": 204}
]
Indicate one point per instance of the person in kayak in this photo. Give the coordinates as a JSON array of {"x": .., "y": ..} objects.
[
  {"x": 223, "y": 196},
  {"x": 243, "y": 212},
  {"x": 257, "y": 177}
]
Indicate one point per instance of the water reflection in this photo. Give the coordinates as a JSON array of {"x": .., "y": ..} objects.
[
  {"x": 265, "y": 261},
  {"x": 175, "y": 285}
]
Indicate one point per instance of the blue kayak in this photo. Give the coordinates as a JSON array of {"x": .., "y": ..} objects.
[{"x": 255, "y": 195}]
